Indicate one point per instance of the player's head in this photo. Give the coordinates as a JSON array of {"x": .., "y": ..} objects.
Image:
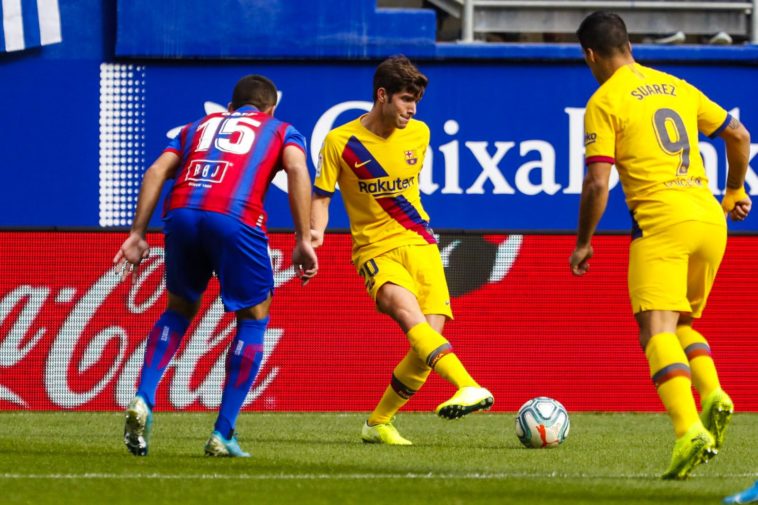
[
  {"x": 254, "y": 90},
  {"x": 605, "y": 43},
  {"x": 604, "y": 33},
  {"x": 398, "y": 87},
  {"x": 397, "y": 74}
]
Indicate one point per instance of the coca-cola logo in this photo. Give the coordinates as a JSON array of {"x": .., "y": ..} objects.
[{"x": 93, "y": 349}]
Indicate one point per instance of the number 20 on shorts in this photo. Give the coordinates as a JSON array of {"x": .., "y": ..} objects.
[{"x": 368, "y": 271}]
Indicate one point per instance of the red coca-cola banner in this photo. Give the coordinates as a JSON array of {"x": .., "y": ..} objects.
[{"x": 72, "y": 334}]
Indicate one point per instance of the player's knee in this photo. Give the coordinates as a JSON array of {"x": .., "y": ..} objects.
[
  {"x": 685, "y": 319},
  {"x": 183, "y": 306},
  {"x": 259, "y": 311},
  {"x": 644, "y": 339}
]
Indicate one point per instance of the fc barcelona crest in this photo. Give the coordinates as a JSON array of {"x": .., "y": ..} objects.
[{"x": 410, "y": 157}]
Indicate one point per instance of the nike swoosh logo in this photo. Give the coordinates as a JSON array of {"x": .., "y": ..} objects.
[{"x": 359, "y": 165}]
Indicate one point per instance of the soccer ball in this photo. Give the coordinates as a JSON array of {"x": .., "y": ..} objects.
[{"x": 542, "y": 422}]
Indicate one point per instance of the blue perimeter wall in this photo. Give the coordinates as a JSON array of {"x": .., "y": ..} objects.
[{"x": 506, "y": 120}]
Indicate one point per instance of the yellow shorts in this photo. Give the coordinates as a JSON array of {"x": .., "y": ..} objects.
[
  {"x": 417, "y": 268},
  {"x": 674, "y": 269}
]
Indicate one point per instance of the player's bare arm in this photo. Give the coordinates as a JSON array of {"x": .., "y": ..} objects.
[
  {"x": 135, "y": 248},
  {"x": 736, "y": 201},
  {"x": 319, "y": 218},
  {"x": 591, "y": 208},
  {"x": 299, "y": 193}
]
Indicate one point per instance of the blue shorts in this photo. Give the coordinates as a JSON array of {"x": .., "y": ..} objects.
[{"x": 199, "y": 243}]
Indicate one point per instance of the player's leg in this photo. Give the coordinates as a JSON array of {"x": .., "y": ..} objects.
[
  {"x": 243, "y": 360},
  {"x": 409, "y": 374},
  {"x": 408, "y": 299},
  {"x": 407, "y": 378},
  {"x": 187, "y": 275},
  {"x": 434, "y": 350},
  {"x": 162, "y": 343},
  {"x": 669, "y": 368},
  {"x": 425, "y": 265},
  {"x": 716, "y": 405},
  {"x": 704, "y": 375},
  {"x": 402, "y": 306},
  {"x": 657, "y": 288},
  {"x": 241, "y": 261},
  {"x": 671, "y": 376}
]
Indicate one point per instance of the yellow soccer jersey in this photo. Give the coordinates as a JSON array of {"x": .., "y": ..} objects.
[
  {"x": 379, "y": 181},
  {"x": 647, "y": 122}
]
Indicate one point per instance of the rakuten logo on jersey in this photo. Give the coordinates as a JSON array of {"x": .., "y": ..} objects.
[{"x": 385, "y": 186}]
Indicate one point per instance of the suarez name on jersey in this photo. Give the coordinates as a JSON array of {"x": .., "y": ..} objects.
[{"x": 647, "y": 123}]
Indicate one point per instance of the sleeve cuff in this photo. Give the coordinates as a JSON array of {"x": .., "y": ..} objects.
[
  {"x": 296, "y": 144},
  {"x": 322, "y": 192},
  {"x": 722, "y": 127},
  {"x": 599, "y": 159}
]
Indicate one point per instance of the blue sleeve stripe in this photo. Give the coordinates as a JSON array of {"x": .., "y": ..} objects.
[
  {"x": 322, "y": 192},
  {"x": 722, "y": 127}
]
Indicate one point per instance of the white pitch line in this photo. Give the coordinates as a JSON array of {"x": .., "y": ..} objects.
[{"x": 349, "y": 476}]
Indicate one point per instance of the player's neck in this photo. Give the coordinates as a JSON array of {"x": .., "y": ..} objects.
[
  {"x": 609, "y": 66},
  {"x": 374, "y": 122}
]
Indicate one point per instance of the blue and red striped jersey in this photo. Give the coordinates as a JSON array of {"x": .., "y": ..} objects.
[{"x": 228, "y": 160}]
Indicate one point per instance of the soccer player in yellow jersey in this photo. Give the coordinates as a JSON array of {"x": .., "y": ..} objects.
[
  {"x": 376, "y": 160},
  {"x": 646, "y": 122}
]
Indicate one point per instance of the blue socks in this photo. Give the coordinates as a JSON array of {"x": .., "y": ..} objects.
[
  {"x": 162, "y": 343},
  {"x": 243, "y": 359}
]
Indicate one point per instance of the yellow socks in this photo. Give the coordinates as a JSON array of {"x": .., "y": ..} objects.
[
  {"x": 450, "y": 368},
  {"x": 428, "y": 344},
  {"x": 429, "y": 350},
  {"x": 408, "y": 377},
  {"x": 438, "y": 354},
  {"x": 671, "y": 375},
  {"x": 704, "y": 375}
]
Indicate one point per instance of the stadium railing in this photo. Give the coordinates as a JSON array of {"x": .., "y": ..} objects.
[{"x": 642, "y": 17}]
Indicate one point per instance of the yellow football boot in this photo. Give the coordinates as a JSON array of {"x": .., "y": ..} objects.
[
  {"x": 717, "y": 412},
  {"x": 465, "y": 401},
  {"x": 383, "y": 434},
  {"x": 694, "y": 447}
]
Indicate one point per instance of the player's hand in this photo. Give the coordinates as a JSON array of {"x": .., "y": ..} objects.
[
  {"x": 579, "y": 260},
  {"x": 317, "y": 238},
  {"x": 134, "y": 249},
  {"x": 736, "y": 203},
  {"x": 741, "y": 209},
  {"x": 305, "y": 261}
]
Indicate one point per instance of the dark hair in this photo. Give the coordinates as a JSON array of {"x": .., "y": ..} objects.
[
  {"x": 397, "y": 73},
  {"x": 604, "y": 32},
  {"x": 254, "y": 90}
]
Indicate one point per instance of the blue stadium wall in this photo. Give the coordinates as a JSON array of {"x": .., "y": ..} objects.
[{"x": 84, "y": 118}]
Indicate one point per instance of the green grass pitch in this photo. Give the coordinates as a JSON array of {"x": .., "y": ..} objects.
[{"x": 79, "y": 458}]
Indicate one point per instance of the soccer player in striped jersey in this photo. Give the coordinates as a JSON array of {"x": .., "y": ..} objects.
[
  {"x": 646, "y": 122},
  {"x": 376, "y": 160},
  {"x": 221, "y": 166}
]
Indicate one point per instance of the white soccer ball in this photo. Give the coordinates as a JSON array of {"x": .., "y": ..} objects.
[{"x": 542, "y": 422}]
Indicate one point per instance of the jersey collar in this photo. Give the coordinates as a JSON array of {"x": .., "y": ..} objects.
[{"x": 248, "y": 108}]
